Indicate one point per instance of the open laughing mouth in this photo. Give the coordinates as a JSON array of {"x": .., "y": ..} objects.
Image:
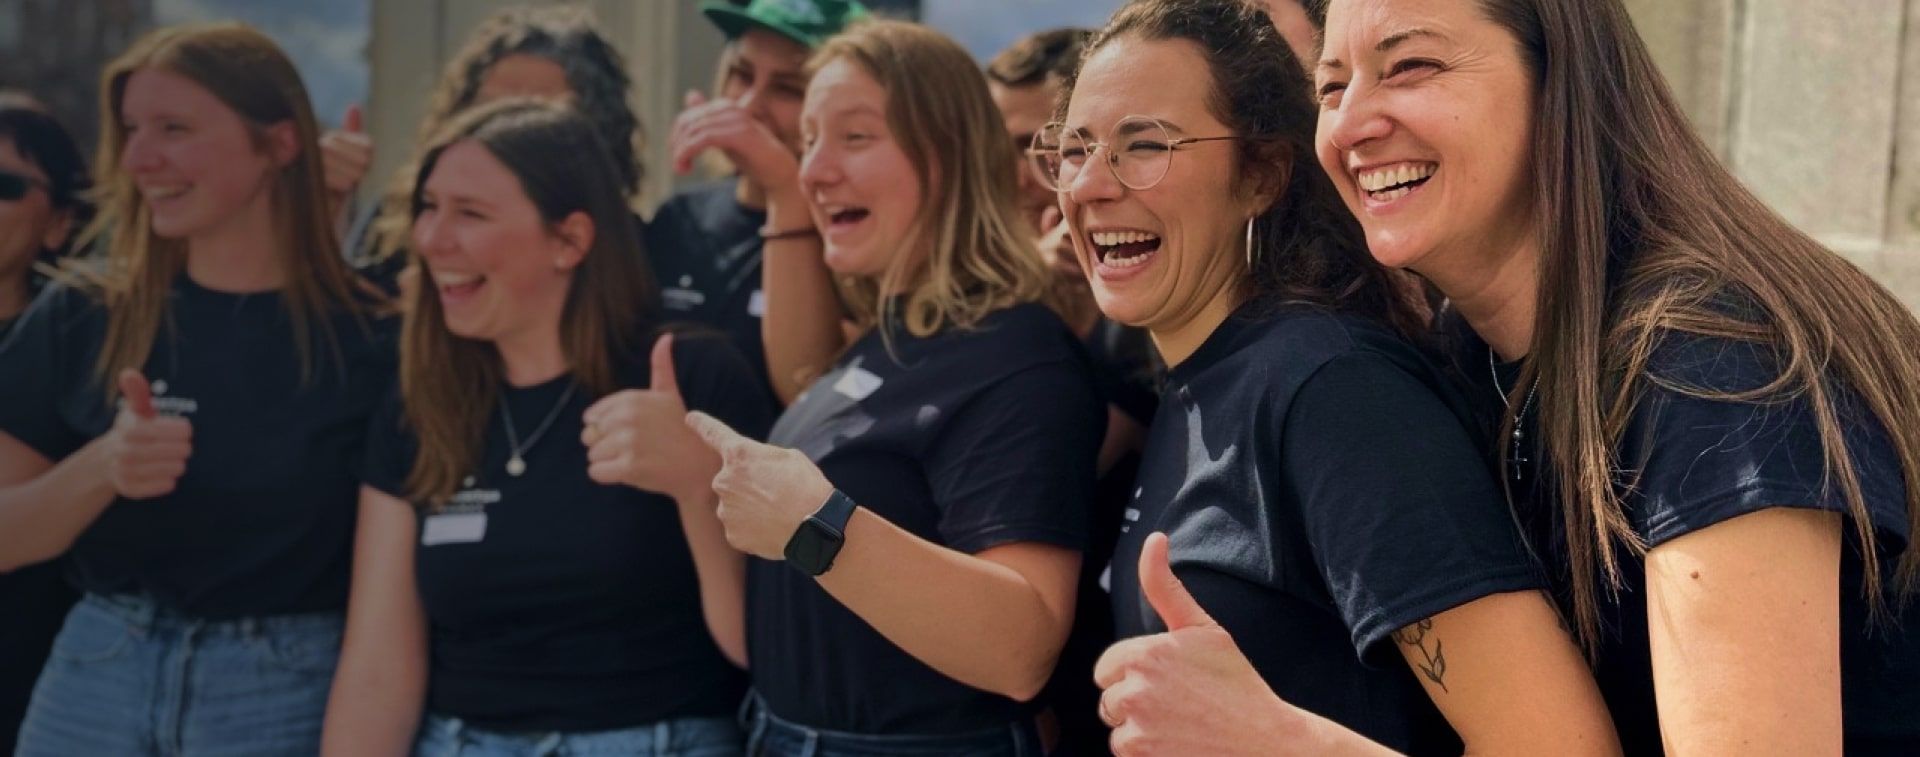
[
  {"x": 1393, "y": 182},
  {"x": 1124, "y": 249}
]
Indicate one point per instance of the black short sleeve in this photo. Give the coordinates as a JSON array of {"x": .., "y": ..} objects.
[
  {"x": 1703, "y": 460},
  {"x": 1403, "y": 517},
  {"x": 390, "y": 448},
  {"x": 1014, "y": 464},
  {"x": 42, "y": 366},
  {"x": 716, "y": 379}
]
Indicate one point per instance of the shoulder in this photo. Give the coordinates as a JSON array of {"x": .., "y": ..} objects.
[
  {"x": 687, "y": 207},
  {"x": 1298, "y": 341},
  {"x": 61, "y": 307}
]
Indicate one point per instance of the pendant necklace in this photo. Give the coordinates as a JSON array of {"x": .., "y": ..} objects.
[
  {"x": 1517, "y": 458},
  {"x": 516, "y": 464}
]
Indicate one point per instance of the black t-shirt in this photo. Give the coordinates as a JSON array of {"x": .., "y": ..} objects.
[
  {"x": 705, "y": 250},
  {"x": 262, "y": 521},
  {"x": 1703, "y": 461},
  {"x": 554, "y": 602},
  {"x": 969, "y": 439},
  {"x": 1321, "y": 491}
]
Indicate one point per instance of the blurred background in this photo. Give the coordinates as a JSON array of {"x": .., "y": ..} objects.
[{"x": 1815, "y": 103}]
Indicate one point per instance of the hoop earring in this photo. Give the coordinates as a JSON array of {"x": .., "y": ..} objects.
[{"x": 1250, "y": 248}]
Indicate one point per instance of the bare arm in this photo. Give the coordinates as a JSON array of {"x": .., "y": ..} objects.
[
  {"x": 994, "y": 620},
  {"x": 1744, "y": 624},
  {"x": 1124, "y": 435},
  {"x": 802, "y": 327},
  {"x": 380, "y": 687},
  {"x": 1509, "y": 679},
  {"x": 722, "y": 573}
]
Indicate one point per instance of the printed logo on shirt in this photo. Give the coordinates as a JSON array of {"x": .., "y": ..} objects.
[
  {"x": 678, "y": 298},
  {"x": 1132, "y": 516},
  {"x": 463, "y": 520},
  {"x": 858, "y": 383},
  {"x": 171, "y": 407},
  {"x": 757, "y": 304}
]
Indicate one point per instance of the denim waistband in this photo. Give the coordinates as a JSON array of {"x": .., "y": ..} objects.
[
  {"x": 1017, "y": 737},
  {"x": 145, "y": 614}
]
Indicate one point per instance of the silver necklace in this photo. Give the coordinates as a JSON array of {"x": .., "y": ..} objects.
[
  {"x": 1515, "y": 460},
  {"x": 516, "y": 464}
]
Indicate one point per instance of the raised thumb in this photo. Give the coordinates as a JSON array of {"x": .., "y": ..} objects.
[
  {"x": 1165, "y": 593},
  {"x": 139, "y": 396},
  {"x": 664, "y": 379},
  {"x": 354, "y": 121}
]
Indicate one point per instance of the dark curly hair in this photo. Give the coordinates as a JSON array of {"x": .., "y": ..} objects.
[
  {"x": 1308, "y": 246},
  {"x": 42, "y": 140}
]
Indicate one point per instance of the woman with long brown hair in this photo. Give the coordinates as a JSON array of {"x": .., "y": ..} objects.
[
  {"x": 1710, "y": 423},
  {"x": 920, "y": 513},
  {"x": 208, "y": 519},
  {"x": 537, "y": 559}
]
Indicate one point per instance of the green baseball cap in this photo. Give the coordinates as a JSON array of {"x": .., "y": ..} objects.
[{"x": 809, "y": 22}]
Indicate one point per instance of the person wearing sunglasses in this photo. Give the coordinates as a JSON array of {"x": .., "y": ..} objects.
[
  {"x": 1326, "y": 511},
  {"x": 42, "y": 178}
]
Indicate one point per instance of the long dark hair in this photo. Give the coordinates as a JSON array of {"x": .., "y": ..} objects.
[
  {"x": 450, "y": 384},
  {"x": 1643, "y": 234},
  {"x": 1307, "y": 246}
]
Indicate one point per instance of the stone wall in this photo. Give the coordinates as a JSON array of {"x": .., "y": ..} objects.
[{"x": 1810, "y": 103}]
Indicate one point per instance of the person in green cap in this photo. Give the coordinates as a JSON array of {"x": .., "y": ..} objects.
[{"x": 706, "y": 242}]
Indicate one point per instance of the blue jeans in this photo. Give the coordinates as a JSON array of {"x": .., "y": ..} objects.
[
  {"x": 685, "y": 737},
  {"x": 770, "y": 736},
  {"x": 127, "y": 677}
]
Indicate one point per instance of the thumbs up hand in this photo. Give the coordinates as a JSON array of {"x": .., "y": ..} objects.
[
  {"x": 1190, "y": 690},
  {"x": 635, "y": 437},
  {"x": 345, "y": 154},
  {"x": 765, "y": 492},
  {"x": 147, "y": 453}
]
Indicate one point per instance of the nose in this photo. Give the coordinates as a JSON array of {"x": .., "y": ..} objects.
[
  {"x": 430, "y": 236},
  {"x": 819, "y": 167},
  {"x": 1094, "y": 181},
  {"x": 1357, "y": 121},
  {"x": 138, "y": 154}
]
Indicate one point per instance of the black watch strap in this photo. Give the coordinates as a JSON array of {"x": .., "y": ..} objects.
[{"x": 813, "y": 546}]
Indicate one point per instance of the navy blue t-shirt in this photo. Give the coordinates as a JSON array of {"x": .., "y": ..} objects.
[
  {"x": 1320, "y": 490},
  {"x": 705, "y": 249},
  {"x": 1701, "y": 462},
  {"x": 262, "y": 521},
  {"x": 557, "y": 603},
  {"x": 967, "y": 438}
]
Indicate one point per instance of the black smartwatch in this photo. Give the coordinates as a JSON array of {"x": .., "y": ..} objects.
[{"x": 814, "y": 545}]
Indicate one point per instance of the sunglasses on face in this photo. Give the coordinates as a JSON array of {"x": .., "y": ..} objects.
[{"x": 14, "y": 186}]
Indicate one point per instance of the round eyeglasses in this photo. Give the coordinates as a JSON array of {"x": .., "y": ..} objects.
[{"x": 1138, "y": 150}]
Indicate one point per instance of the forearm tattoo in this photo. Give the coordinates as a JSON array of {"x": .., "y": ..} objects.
[{"x": 1434, "y": 665}]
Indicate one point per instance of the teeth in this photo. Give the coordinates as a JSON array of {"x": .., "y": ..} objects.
[
  {"x": 1115, "y": 261},
  {"x": 1111, "y": 238},
  {"x": 1378, "y": 179},
  {"x": 448, "y": 279}
]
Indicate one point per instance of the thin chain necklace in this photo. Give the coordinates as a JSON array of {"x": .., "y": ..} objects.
[
  {"x": 516, "y": 464},
  {"x": 1515, "y": 460}
]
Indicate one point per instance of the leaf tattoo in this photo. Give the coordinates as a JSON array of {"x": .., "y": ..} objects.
[{"x": 1434, "y": 666}]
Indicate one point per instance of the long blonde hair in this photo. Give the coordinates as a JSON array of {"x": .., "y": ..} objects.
[
  {"x": 248, "y": 73},
  {"x": 450, "y": 384},
  {"x": 978, "y": 254}
]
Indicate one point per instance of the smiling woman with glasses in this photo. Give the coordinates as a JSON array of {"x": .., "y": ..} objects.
[
  {"x": 42, "y": 180},
  {"x": 1315, "y": 480}
]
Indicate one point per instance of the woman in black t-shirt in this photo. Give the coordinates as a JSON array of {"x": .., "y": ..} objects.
[
  {"x": 1321, "y": 498},
  {"x": 538, "y": 561},
  {"x": 920, "y": 513},
  {"x": 208, "y": 519},
  {"x": 1709, "y": 423}
]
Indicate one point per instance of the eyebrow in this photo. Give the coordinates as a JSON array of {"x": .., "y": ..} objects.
[{"x": 1386, "y": 44}]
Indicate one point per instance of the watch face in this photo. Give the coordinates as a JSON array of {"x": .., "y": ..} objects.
[{"x": 813, "y": 547}]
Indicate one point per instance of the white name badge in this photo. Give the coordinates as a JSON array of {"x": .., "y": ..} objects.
[
  {"x": 857, "y": 383},
  {"x": 454, "y": 528},
  {"x": 757, "y": 304}
]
